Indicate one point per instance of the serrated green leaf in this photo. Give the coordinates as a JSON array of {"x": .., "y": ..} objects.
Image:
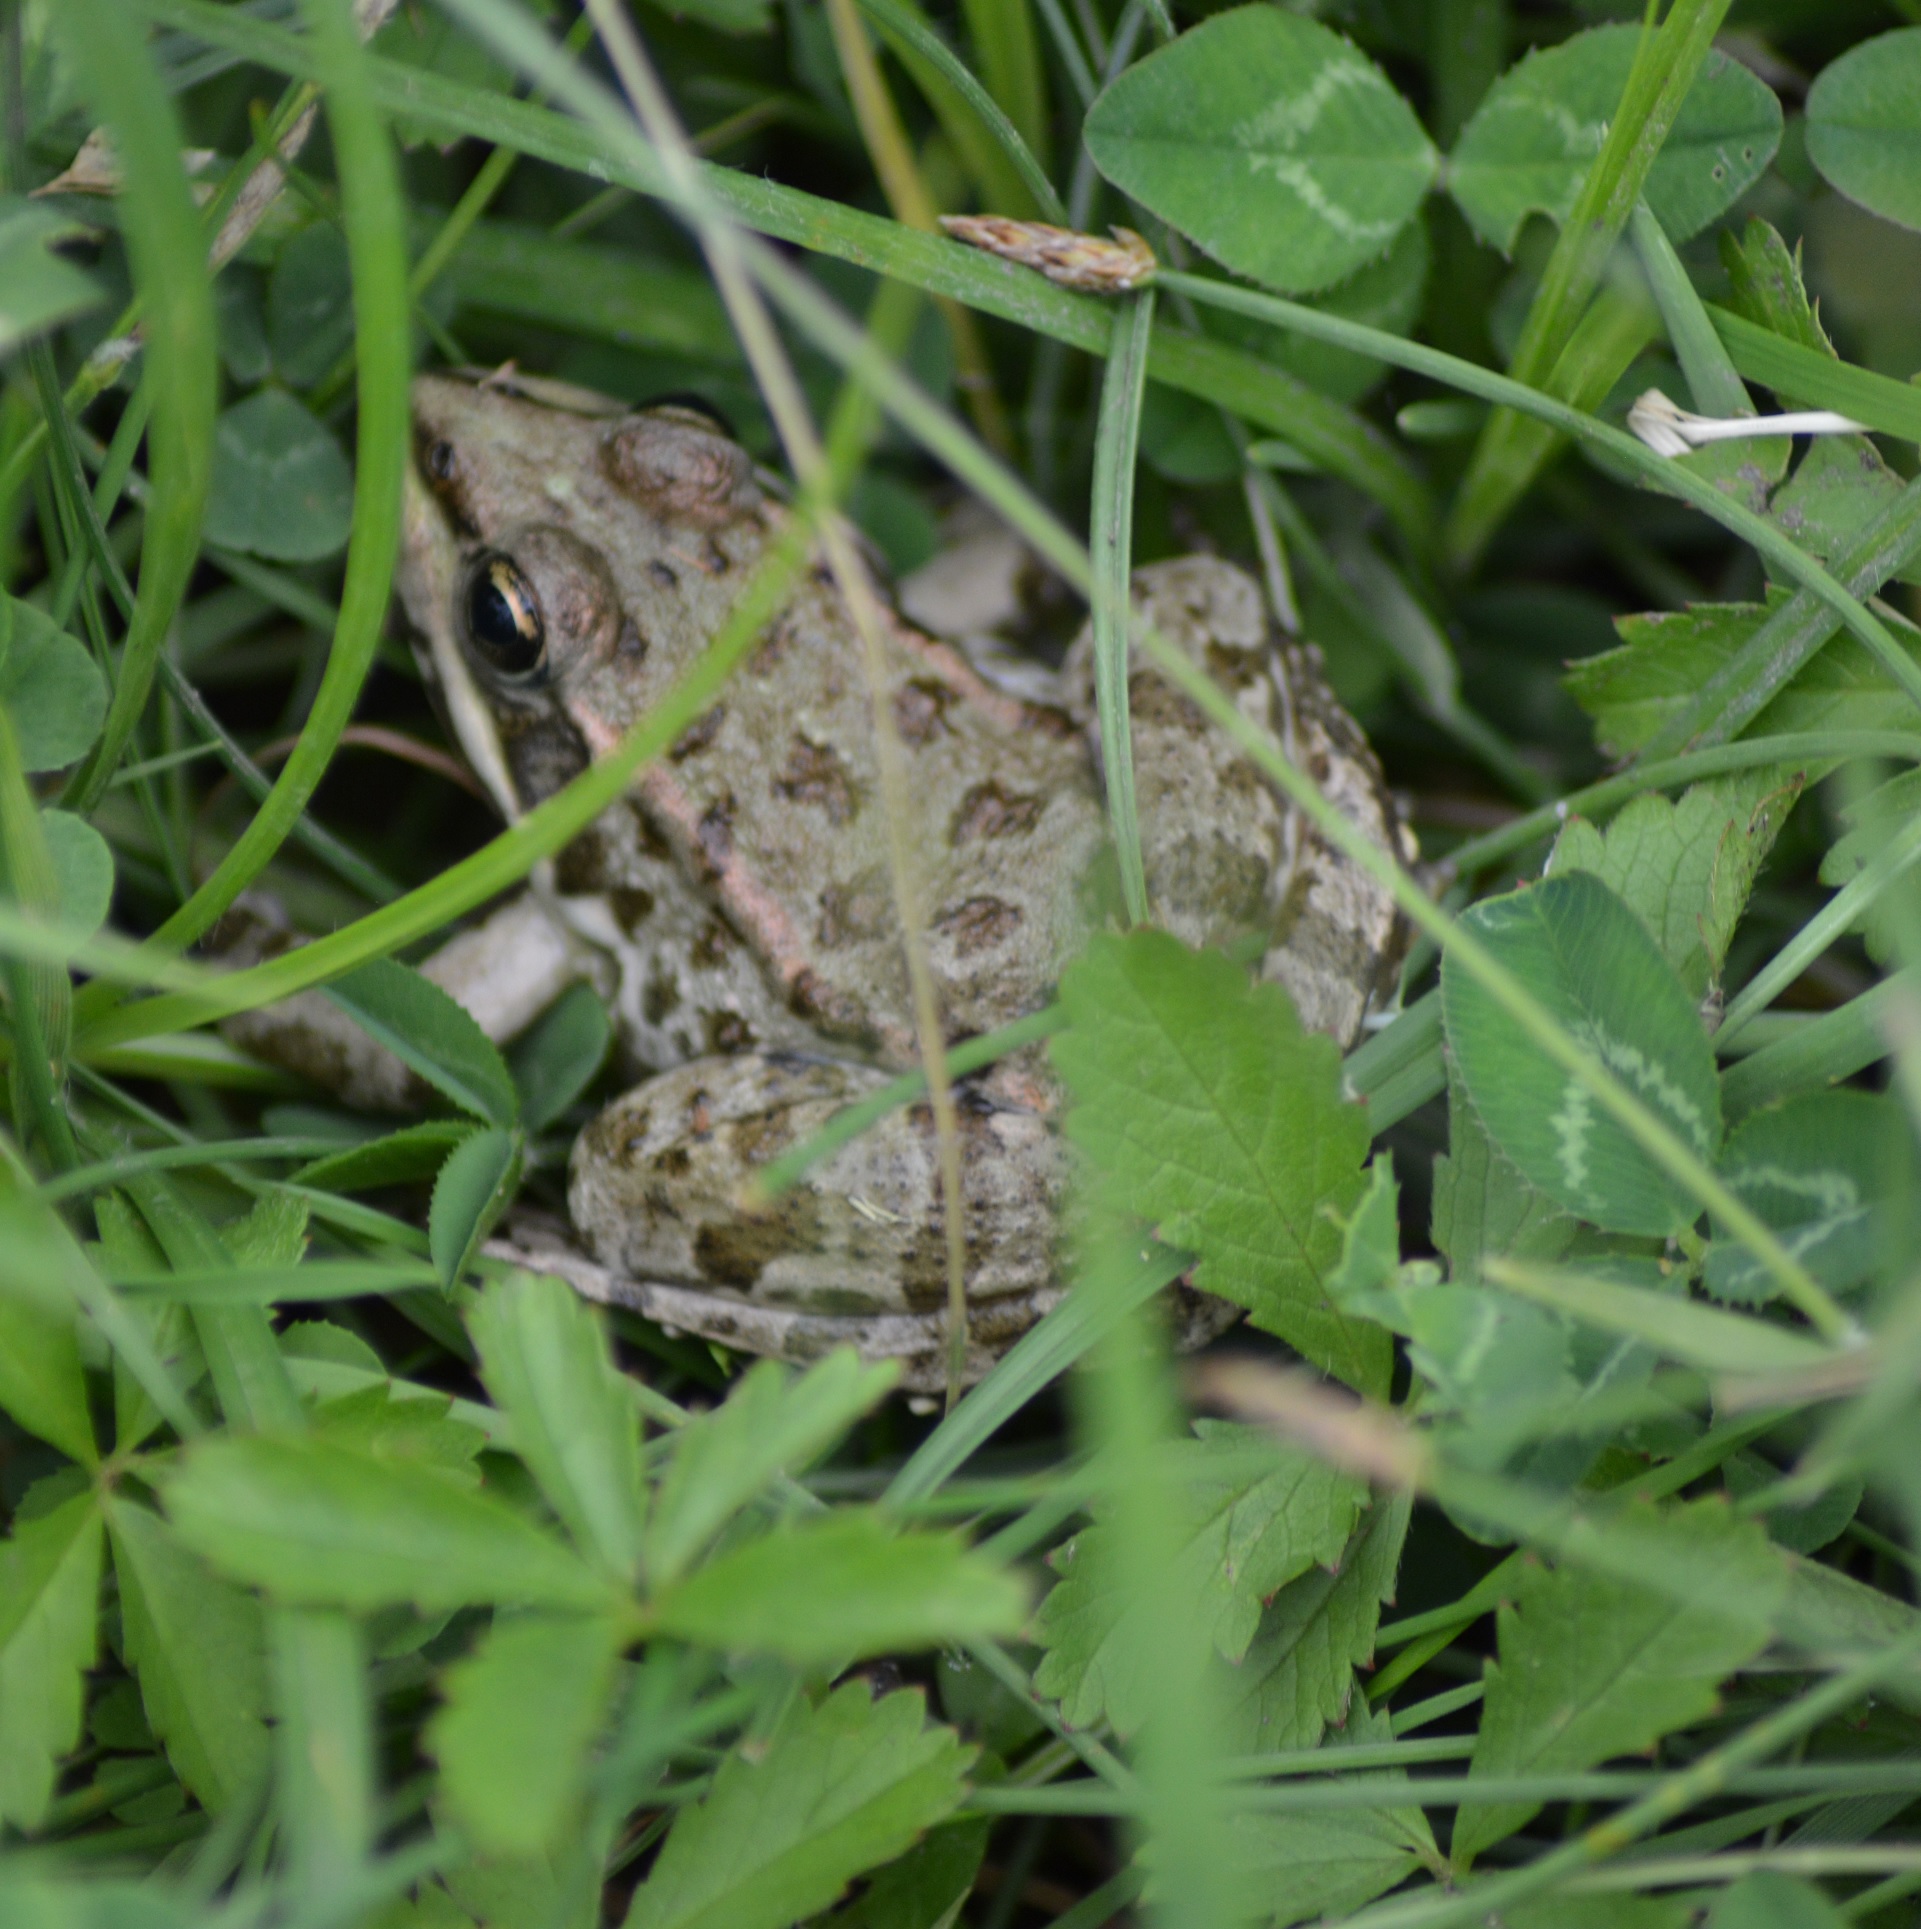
[
  {"x": 927, "y": 1887},
  {"x": 1686, "y": 867},
  {"x": 1823, "y": 1170},
  {"x": 413, "y": 1152},
  {"x": 1297, "y": 1676},
  {"x": 1271, "y": 141},
  {"x": 556, "y": 1061},
  {"x": 1290, "y": 1868},
  {"x": 432, "y": 1033},
  {"x": 473, "y": 1189},
  {"x": 51, "y": 687},
  {"x": 516, "y": 1720},
  {"x": 1765, "y": 285},
  {"x": 1535, "y": 135},
  {"x": 837, "y": 1790},
  {"x": 49, "y": 1614},
  {"x": 323, "y": 1524},
  {"x": 1837, "y": 489},
  {"x": 1207, "y": 1110},
  {"x": 41, "y": 1382},
  {"x": 378, "y": 1420},
  {"x": 545, "y": 1361},
  {"x": 840, "y": 1587},
  {"x": 1667, "y": 656},
  {"x": 770, "y": 1423},
  {"x": 281, "y": 486},
  {"x": 272, "y": 1231},
  {"x": 1592, "y": 1667},
  {"x": 1590, "y": 962},
  {"x": 1255, "y": 1515},
  {"x": 1864, "y": 125},
  {"x": 197, "y": 1646},
  {"x": 41, "y": 289}
]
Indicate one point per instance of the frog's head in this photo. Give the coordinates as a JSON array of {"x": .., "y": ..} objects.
[{"x": 563, "y": 558}]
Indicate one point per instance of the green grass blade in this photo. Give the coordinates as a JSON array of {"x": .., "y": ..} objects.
[
  {"x": 1800, "y": 374},
  {"x": 1712, "y": 378},
  {"x": 170, "y": 271}
]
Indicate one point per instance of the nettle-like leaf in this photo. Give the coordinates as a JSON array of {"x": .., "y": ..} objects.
[
  {"x": 843, "y": 1586},
  {"x": 1864, "y": 125},
  {"x": 1827, "y": 1171},
  {"x": 1293, "y": 1868},
  {"x": 1534, "y": 137},
  {"x": 1255, "y": 1515},
  {"x": 1686, "y": 867},
  {"x": 318, "y": 1522},
  {"x": 281, "y": 487},
  {"x": 1765, "y": 285},
  {"x": 1270, "y": 141},
  {"x": 49, "y": 1621},
  {"x": 1590, "y": 962},
  {"x": 770, "y": 1423},
  {"x": 834, "y": 1791},
  {"x": 1838, "y": 487},
  {"x": 1665, "y": 658},
  {"x": 198, "y": 1648},
  {"x": 1593, "y": 1665},
  {"x": 517, "y": 1719},
  {"x": 1297, "y": 1676},
  {"x": 545, "y": 1361},
  {"x": 1205, "y": 1108}
]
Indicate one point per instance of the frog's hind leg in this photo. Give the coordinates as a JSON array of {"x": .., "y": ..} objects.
[
  {"x": 854, "y": 1252},
  {"x": 506, "y": 971}
]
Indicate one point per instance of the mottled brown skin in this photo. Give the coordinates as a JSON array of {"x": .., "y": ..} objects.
[{"x": 741, "y": 890}]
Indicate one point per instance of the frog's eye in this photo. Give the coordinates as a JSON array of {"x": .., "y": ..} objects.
[{"x": 503, "y": 619}]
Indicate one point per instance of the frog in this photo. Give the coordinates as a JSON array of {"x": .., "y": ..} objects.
[{"x": 564, "y": 559}]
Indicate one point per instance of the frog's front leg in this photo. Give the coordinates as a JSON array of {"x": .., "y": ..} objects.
[{"x": 506, "y": 971}]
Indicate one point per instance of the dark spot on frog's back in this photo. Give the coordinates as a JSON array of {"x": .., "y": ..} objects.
[
  {"x": 978, "y": 924},
  {"x": 991, "y": 810},
  {"x": 920, "y": 710},
  {"x": 712, "y": 944},
  {"x": 631, "y": 906},
  {"x": 816, "y": 774},
  {"x": 735, "y": 1252},
  {"x": 827, "y": 1006},
  {"x": 728, "y": 1033}
]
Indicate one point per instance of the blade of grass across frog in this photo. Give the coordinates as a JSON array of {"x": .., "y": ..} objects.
[
  {"x": 901, "y": 24},
  {"x": 1340, "y": 440},
  {"x": 163, "y": 238},
  {"x": 1111, "y": 538},
  {"x": 372, "y": 214},
  {"x": 1665, "y": 65},
  {"x": 1772, "y": 542}
]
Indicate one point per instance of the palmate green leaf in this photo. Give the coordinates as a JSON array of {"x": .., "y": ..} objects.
[
  {"x": 1533, "y": 139},
  {"x": 1686, "y": 867},
  {"x": 1864, "y": 125},
  {"x": 1257, "y": 1514},
  {"x": 1293, "y": 1868},
  {"x": 327, "y": 1525},
  {"x": 544, "y": 1358},
  {"x": 517, "y": 1718},
  {"x": 1666, "y": 657},
  {"x": 38, "y": 288},
  {"x": 49, "y": 1616},
  {"x": 1825, "y": 1171},
  {"x": 41, "y": 1382},
  {"x": 770, "y": 1423},
  {"x": 281, "y": 486},
  {"x": 1297, "y": 1676},
  {"x": 198, "y": 1648},
  {"x": 432, "y": 1033},
  {"x": 835, "y": 1791},
  {"x": 840, "y": 1587},
  {"x": 1592, "y": 1666},
  {"x": 1269, "y": 140},
  {"x": 1206, "y": 1109},
  {"x": 472, "y": 1191},
  {"x": 52, "y": 689},
  {"x": 1591, "y": 963}
]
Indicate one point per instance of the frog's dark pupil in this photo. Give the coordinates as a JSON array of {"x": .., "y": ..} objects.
[{"x": 503, "y": 620}]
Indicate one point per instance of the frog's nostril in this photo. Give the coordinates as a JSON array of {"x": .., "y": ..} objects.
[
  {"x": 440, "y": 462},
  {"x": 503, "y": 618}
]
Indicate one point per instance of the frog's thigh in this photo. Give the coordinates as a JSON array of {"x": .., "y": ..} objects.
[
  {"x": 506, "y": 971},
  {"x": 656, "y": 1182}
]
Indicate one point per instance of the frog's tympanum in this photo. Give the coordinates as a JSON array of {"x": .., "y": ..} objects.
[{"x": 564, "y": 562}]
